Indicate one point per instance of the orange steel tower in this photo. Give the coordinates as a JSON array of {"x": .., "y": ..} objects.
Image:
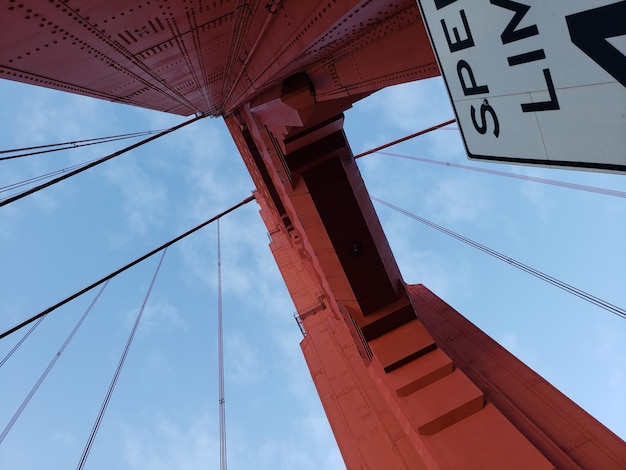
[{"x": 406, "y": 381}]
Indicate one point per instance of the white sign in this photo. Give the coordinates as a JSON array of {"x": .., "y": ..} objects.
[{"x": 535, "y": 81}]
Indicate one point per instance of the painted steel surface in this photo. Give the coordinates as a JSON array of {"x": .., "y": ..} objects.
[{"x": 209, "y": 57}]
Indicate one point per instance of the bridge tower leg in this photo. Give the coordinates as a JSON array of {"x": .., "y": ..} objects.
[{"x": 406, "y": 382}]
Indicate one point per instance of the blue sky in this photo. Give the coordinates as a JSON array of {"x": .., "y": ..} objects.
[{"x": 164, "y": 413}]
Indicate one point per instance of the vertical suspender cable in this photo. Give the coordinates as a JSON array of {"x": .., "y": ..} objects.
[
  {"x": 45, "y": 373},
  {"x": 122, "y": 269},
  {"x": 116, "y": 375},
  {"x": 220, "y": 355}
]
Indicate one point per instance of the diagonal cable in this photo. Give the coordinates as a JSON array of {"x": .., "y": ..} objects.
[
  {"x": 48, "y": 148},
  {"x": 19, "y": 343},
  {"x": 120, "y": 365},
  {"x": 124, "y": 268},
  {"x": 403, "y": 139},
  {"x": 97, "y": 162},
  {"x": 75, "y": 142},
  {"x": 441, "y": 126},
  {"x": 45, "y": 373},
  {"x": 34, "y": 179},
  {"x": 620, "y": 312},
  {"x": 535, "y": 179}
]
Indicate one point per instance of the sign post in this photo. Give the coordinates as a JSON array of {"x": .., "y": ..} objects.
[{"x": 535, "y": 82}]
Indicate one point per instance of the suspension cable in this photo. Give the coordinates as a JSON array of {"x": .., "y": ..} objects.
[
  {"x": 408, "y": 137},
  {"x": 563, "y": 184},
  {"x": 620, "y": 312},
  {"x": 97, "y": 162},
  {"x": 123, "y": 268},
  {"x": 72, "y": 145},
  {"x": 220, "y": 355},
  {"x": 34, "y": 179},
  {"x": 45, "y": 373},
  {"x": 19, "y": 343},
  {"x": 120, "y": 365},
  {"x": 580, "y": 187},
  {"x": 73, "y": 142}
]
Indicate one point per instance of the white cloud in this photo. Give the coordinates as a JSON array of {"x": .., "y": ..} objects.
[
  {"x": 40, "y": 108},
  {"x": 145, "y": 199},
  {"x": 429, "y": 268},
  {"x": 534, "y": 193},
  {"x": 211, "y": 168},
  {"x": 160, "y": 313},
  {"x": 511, "y": 342},
  {"x": 65, "y": 440},
  {"x": 287, "y": 455},
  {"x": 616, "y": 413},
  {"x": 155, "y": 365},
  {"x": 166, "y": 445},
  {"x": 411, "y": 107},
  {"x": 170, "y": 445},
  {"x": 603, "y": 344},
  {"x": 241, "y": 359},
  {"x": 457, "y": 200},
  {"x": 46, "y": 202},
  {"x": 245, "y": 259}
]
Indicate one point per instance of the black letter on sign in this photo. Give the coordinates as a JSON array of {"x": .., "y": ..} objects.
[
  {"x": 526, "y": 57},
  {"x": 459, "y": 44},
  {"x": 484, "y": 109},
  {"x": 443, "y": 3},
  {"x": 474, "y": 89},
  {"x": 589, "y": 30},
  {"x": 510, "y": 34},
  {"x": 551, "y": 105}
]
